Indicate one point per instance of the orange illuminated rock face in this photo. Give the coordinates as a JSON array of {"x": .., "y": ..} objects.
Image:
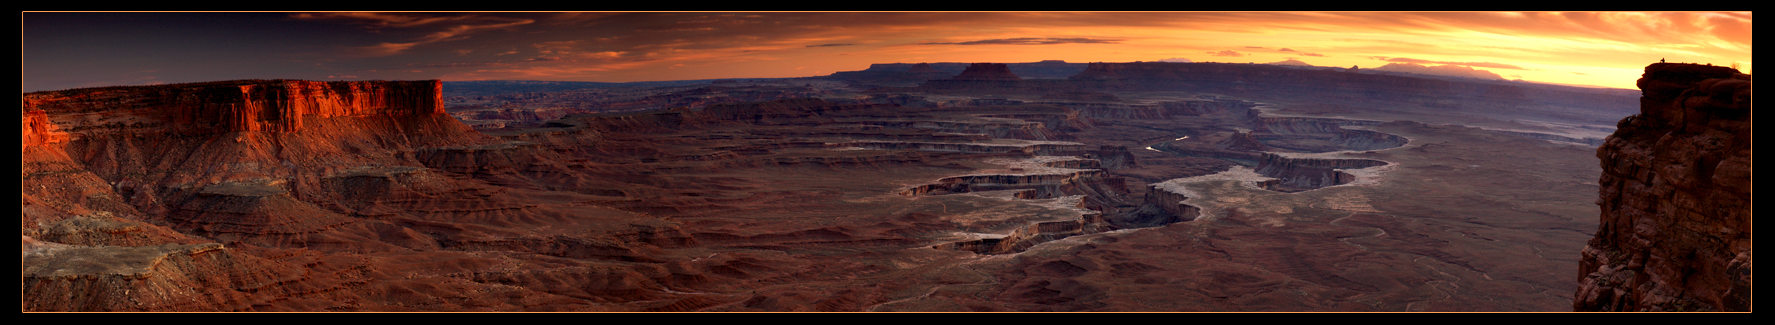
[
  {"x": 235, "y": 106},
  {"x": 35, "y": 130},
  {"x": 1675, "y": 231},
  {"x": 184, "y": 197}
]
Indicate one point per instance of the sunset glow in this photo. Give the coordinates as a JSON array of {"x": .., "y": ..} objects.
[{"x": 1609, "y": 49}]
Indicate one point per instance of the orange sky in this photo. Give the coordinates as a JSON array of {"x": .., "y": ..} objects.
[{"x": 1608, "y": 49}]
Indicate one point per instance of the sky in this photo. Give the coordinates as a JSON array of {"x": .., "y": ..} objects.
[{"x": 63, "y": 50}]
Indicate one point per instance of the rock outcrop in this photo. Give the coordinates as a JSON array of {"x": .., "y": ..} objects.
[
  {"x": 234, "y": 106},
  {"x": 987, "y": 72},
  {"x": 1303, "y": 174},
  {"x": 1675, "y": 192},
  {"x": 261, "y": 195},
  {"x": 901, "y": 72},
  {"x": 991, "y": 77}
]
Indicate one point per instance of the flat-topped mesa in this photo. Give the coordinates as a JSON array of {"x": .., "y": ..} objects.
[
  {"x": 1675, "y": 229},
  {"x": 923, "y": 68},
  {"x": 233, "y": 106},
  {"x": 993, "y": 78},
  {"x": 987, "y": 72},
  {"x": 1046, "y": 69},
  {"x": 1305, "y": 174}
]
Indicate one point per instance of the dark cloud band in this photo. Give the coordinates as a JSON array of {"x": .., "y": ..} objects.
[{"x": 1030, "y": 41}]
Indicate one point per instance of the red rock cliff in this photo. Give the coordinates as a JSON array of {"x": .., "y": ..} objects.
[
  {"x": 1675, "y": 233},
  {"x": 154, "y": 145},
  {"x": 233, "y": 106}
]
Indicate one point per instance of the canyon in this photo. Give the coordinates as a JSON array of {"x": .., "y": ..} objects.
[{"x": 969, "y": 187}]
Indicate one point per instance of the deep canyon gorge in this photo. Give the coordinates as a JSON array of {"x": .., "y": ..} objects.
[{"x": 947, "y": 187}]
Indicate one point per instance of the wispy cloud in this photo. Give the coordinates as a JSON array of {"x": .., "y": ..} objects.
[
  {"x": 1227, "y": 53},
  {"x": 378, "y": 19},
  {"x": 835, "y": 44},
  {"x": 1030, "y": 41},
  {"x": 1469, "y": 64},
  {"x": 458, "y": 27}
]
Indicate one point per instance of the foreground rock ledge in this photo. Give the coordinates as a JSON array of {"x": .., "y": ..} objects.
[{"x": 1675, "y": 197}]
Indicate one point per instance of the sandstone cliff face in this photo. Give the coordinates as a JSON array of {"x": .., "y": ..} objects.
[
  {"x": 234, "y": 106},
  {"x": 1675, "y": 197},
  {"x": 166, "y": 198}
]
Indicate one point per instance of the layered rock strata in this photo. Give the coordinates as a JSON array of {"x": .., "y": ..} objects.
[
  {"x": 1676, "y": 198},
  {"x": 268, "y": 195},
  {"x": 232, "y": 106},
  {"x": 1301, "y": 174},
  {"x": 1033, "y": 234}
]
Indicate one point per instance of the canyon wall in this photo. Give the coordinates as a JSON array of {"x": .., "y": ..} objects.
[
  {"x": 180, "y": 197},
  {"x": 1302, "y": 174},
  {"x": 1675, "y": 231},
  {"x": 233, "y": 106}
]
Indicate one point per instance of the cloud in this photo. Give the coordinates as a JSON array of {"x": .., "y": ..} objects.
[
  {"x": 1285, "y": 50},
  {"x": 1470, "y": 64},
  {"x": 1312, "y": 54},
  {"x": 462, "y": 26},
  {"x": 836, "y": 44},
  {"x": 1408, "y": 60},
  {"x": 378, "y": 19},
  {"x": 1227, "y": 53},
  {"x": 455, "y": 64},
  {"x": 1030, "y": 41},
  {"x": 385, "y": 48},
  {"x": 1254, "y": 47}
]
